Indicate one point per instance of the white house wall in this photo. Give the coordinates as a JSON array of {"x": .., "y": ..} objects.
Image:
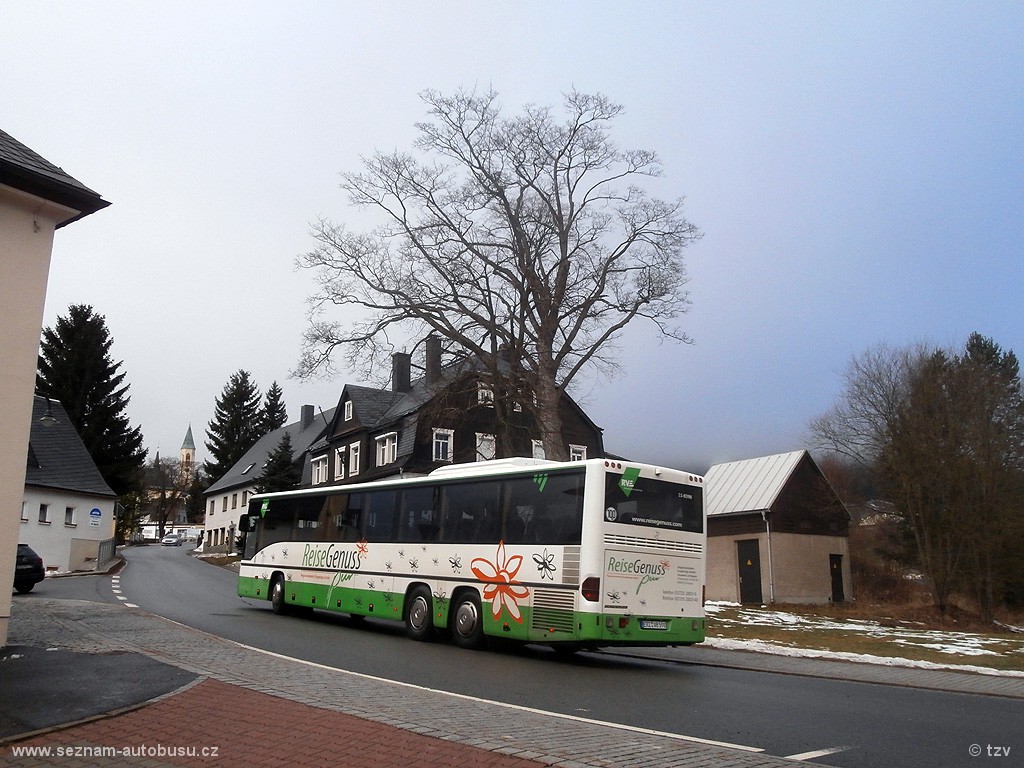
[{"x": 65, "y": 547}]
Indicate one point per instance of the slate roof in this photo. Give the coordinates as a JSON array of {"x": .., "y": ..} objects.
[
  {"x": 250, "y": 466},
  {"x": 30, "y": 172},
  {"x": 57, "y": 457},
  {"x": 751, "y": 485},
  {"x": 188, "y": 443}
]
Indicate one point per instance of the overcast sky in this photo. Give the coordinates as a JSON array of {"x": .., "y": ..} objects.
[{"x": 857, "y": 170}]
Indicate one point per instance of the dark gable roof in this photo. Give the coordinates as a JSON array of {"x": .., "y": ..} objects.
[
  {"x": 57, "y": 457},
  {"x": 370, "y": 405},
  {"x": 27, "y": 171},
  {"x": 254, "y": 459}
]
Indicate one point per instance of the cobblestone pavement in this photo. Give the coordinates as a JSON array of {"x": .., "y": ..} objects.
[{"x": 255, "y": 708}]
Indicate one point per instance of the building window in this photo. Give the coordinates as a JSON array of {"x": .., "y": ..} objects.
[
  {"x": 443, "y": 444},
  {"x": 245, "y": 498},
  {"x": 69, "y": 517},
  {"x": 246, "y": 470},
  {"x": 538, "y": 449},
  {"x": 24, "y": 511},
  {"x": 234, "y": 501},
  {"x": 213, "y": 506},
  {"x": 319, "y": 470},
  {"x": 484, "y": 394},
  {"x": 44, "y": 514},
  {"x": 577, "y": 452},
  {"x": 224, "y": 504},
  {"x": 348, "y": 410},
  {"x": 339, "y": 463},
  {"x": 387, "y": 448},
  {"x": 484, "y": 446},
  {"x": 353, "y": 459}
]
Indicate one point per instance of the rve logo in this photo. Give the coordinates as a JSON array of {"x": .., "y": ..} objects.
[{"x": 541, "y": 480}]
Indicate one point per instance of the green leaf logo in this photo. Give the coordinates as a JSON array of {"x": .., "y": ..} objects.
[
  {"x": 541, "y": 480},
  {"x": 264, "y": 508}
]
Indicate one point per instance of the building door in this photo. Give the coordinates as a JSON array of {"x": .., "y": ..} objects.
[
  {"x": 835, "y": 564},
  {"x": 748, "y": 554}
]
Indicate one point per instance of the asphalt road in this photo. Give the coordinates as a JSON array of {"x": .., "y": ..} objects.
[{"x": 846, "y": 724}]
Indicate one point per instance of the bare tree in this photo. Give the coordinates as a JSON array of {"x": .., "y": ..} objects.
[{"x": 524, "y": 242}]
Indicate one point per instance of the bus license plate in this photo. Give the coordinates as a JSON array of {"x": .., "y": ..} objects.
[{"x": 653, "y": 624}]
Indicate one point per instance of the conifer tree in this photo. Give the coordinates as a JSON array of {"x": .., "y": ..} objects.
[
  {"x": 75, "y": 367},
  {"x": 275, "y": 415},
  {"x": 280, "y": 473},
  {"x": 236, "y": 425}
]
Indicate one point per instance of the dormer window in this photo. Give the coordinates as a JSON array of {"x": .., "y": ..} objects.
[
  {"x": 387, "y": 448},
  {"x": 348, "y": 410},
  {"x": 484, "y": 394}
]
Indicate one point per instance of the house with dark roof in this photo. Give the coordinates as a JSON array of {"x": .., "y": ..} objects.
[
  {"x": 36, "y": 199},
  {"x": 777, "y": 532},
  {"x": 228, "y": 497},
  {"x": 67, "y": 511},
  {"x": 447, "y": 416}
]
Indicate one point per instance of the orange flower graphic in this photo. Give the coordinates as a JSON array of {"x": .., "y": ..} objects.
[{"x": 502, "y": 589}]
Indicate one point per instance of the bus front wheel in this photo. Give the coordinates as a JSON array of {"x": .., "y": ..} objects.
[
  {"x": 419, "y": 620},
  {"x": 467, "y": 621},
  {"x": 277, "y": 603}
]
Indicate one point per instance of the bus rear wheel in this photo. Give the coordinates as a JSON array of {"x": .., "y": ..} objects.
[
  {"x": 419, "y": 620},
  {"x": 467, "y": 621},
  {"x": 277, "y": 603}
]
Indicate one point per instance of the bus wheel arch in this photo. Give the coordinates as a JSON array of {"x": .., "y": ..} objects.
[
  {"x": 277, "y": 594},
  {"x": 419, "y": 612},
  {"x": 466, "y": 620}
]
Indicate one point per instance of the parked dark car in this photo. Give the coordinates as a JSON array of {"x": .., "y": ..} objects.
[{"x": 28, "y": 571}]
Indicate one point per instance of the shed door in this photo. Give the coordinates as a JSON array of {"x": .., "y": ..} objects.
[
  {"x": 748, "y": 553},
  {"x": 835, "y": 563}
]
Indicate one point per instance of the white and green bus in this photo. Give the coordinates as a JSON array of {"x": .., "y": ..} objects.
[{"x": 580, "y": 554}]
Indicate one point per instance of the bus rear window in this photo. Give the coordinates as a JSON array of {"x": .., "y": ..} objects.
[{"x": 654, "y": 503}]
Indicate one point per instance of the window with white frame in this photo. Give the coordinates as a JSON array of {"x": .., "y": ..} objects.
[
  {"x": 69, "y": 517},
  {"x": 387, "y": 448},
  {"x": 348, "y": 410},
  {"x": 484, "y": 446},
  {"x": 44, "y": 514},
  {"x": 538, "y": 449},
  {"x": 444, "y": 440},
  {"x": 339, "y": 463},
  {"x": 24, "y": 511},
  {"x": 319, "y": 467},
  {"x": 353, "y": 459},
  {"x": 484, "y": 394},
  {"x": 577, "y": 452}
]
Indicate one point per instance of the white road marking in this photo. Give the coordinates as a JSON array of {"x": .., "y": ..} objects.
[{"x": 817, "y": 753}]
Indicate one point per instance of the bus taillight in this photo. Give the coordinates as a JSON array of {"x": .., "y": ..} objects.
[{"x": 591, "y": 589}]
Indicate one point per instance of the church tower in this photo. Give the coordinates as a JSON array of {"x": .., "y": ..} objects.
[{"x": 188, "y": 456}]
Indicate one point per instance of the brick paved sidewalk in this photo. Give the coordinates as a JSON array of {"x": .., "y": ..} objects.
[{"x": 214, "y": 723}]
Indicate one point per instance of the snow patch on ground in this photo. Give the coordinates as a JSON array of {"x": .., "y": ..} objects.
[
  {"x": 963, "y": 644},
  {"x": 760, "y": 646}
]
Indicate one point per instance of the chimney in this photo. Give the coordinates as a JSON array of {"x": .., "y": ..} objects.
[
  {"x": 401, "y": 372},
  {"x": 308, "y": 414},
  {"x": 433, "y": 359}
]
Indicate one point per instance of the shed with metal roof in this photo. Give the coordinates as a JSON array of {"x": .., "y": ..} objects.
[{"x": 777, "y": 532}]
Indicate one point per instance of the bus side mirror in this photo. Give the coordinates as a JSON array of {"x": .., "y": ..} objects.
[{"x": 247, "y": 523}]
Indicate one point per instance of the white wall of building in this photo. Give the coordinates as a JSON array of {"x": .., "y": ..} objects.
[{"x": 65, "y": 545}]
